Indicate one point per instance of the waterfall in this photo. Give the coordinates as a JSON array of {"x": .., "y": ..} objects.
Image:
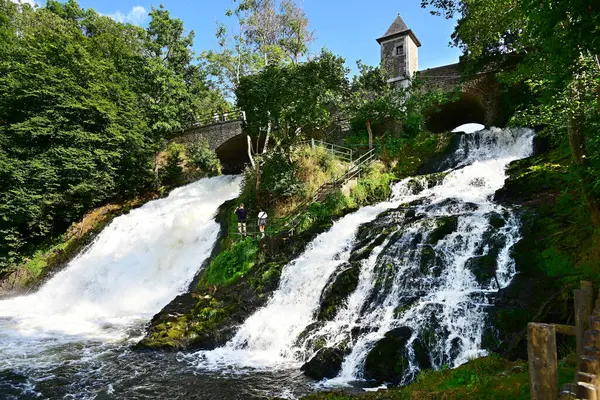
[
  {"x": 134, "y": 267},
  {"x": 445, "y": 251}
]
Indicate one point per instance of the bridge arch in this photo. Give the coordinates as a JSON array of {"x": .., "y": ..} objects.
[{"x": 468, "y": 108}]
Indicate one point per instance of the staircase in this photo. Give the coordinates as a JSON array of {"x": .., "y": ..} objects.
[
  {"x": 289, "y": 224},
  {"x": 329, "y": 187}
]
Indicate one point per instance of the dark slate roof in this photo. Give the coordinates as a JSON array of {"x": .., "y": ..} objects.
[{"x": 399, "y": 28}]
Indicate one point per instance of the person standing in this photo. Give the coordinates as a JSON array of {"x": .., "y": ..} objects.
[
  {"x": 241, "y": 215},
  {"x": 262, "y": 222}
]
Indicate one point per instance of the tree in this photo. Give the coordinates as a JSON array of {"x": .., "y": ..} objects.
[
  {"x": 265, "y": 32},
  {"x": 85, "y": 102},
  {"x": 287, "y": 101},
  {"x": 374, "y": 99}
]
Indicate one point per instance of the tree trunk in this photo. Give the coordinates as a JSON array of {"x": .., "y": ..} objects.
[
  {"x": 265, "y": 147},
  {"x": 156, "y": 170},
  {"x": 598, "y": 87},
  {"x": 258, "y": 177},
  {"x": 370, "y": 134},
  {"x": 250, "y": 151},
  {"x": 578, "y": 151}
]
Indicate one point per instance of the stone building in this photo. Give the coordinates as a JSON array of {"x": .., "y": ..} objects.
[{"x": 400, "y": 52}]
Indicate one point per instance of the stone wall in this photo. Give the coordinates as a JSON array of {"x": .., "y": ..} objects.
[
  {"x": 413, "y": 57},
  {"x": 214, "y": 134},
  {"x": 396, "y": 65},
  {"x": 484, "y": 87}
]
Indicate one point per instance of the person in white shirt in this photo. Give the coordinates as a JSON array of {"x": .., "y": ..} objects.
[{"x": 262, "y": 222}]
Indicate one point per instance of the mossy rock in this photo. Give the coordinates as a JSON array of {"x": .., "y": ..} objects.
[
  {"x": 483, "y": 267},
  {"x": 429, "y": 261},
  {"x": 496, "y": 220},
  {"x": 365, "y": 251},
  {"x": 326, "y": 363},
  {"x": 388, "y": 359},
  {"x": 445, "y": 226},
  {"x": 336, "y": 293}
]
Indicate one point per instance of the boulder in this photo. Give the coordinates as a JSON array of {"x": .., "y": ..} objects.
[
  {"x": 335, "y": 294},
  {"x": 388, "y": 360},
  {"x": 446, "y": 225},
  {"x": 326, "y": 363},
  {"x": 483, "y": 267}
]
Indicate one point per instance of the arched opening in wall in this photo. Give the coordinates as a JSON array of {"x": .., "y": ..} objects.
[
  {"x": 233, "y": 153},
  {"x": 467, "y": 109}
]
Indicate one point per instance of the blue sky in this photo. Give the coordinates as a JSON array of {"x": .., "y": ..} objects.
[{"x": 346, "y": 27}]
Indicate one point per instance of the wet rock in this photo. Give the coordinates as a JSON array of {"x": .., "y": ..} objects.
[
  {"x": 429, "y": 261},
  {"x": 483, "y": 267},
  {"x": 364, "y": 251},
  {"x": 388, "y": 360},
  {"x": 496, "y": 220},
  {"x": 335, "y": 294},
  {"x": 446, "y": 226},
  {"x": 326, "y": 363}
]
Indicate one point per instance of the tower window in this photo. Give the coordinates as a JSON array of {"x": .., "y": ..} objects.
[{"x": 400, "y": 50}]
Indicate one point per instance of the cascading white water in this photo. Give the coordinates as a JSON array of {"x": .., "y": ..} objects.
[
  {"x": 135, "y": 266},
  {"x": 454, "y": 298}
]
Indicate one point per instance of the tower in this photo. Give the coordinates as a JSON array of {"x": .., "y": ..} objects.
[{"x": 400, "y": 52}]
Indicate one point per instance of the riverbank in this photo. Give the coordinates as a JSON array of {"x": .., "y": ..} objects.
[{"x": 486, "y": 378}]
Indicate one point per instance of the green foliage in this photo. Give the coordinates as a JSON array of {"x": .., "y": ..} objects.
[
  {"x": 230, "y": 264},
  {"x": 558, "y": 227},
  {"x": 85, "y": 103},
  {"x": 384, "y": 107},
  {"x": 202, "y": 157},
  {"x": 550, "y": 50},
  {"x": 172, "y": 173},
  {"x": 291, "y": 99},
  {"x": 270, "y": 32},
  {"x": 373, "y": 186},
  {"x": 279, "y": 178}
]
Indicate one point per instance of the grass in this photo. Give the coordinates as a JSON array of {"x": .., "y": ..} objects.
[
  {"x": 232, "y": 263},
  {"x": 487, "y": 378}
]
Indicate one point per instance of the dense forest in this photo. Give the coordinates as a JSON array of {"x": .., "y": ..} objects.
[{"x": 86, "y": 102}]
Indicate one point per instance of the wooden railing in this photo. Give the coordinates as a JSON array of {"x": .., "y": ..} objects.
[{"x": 541, "y": 352}]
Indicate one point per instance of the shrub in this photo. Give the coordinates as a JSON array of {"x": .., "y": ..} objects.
[
  {"x": 172, "y": 172},
  {"x": 202, "y": 157}
]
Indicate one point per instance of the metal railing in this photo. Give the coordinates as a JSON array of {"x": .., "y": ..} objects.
[
  {"x": 277, "y": 226},
  {"x": 235, "y": 115},
  {"x": 343, "y": 153}
]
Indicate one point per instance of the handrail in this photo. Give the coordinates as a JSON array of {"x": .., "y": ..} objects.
[
  {"x": 333, "y": 148},
  {"x": 234, "y": 115},
  {"x": 291, "y": 222}
]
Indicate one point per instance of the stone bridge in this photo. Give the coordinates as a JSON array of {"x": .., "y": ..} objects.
[
  {"x": 223, "y": 133},
  {"x": 479, "y": 99}
]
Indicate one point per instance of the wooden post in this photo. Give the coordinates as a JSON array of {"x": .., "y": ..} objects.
[
  {"x": 587, "y": 286},
  {"x": 588, "y": 378},
  {"x": 582, "y": 313},
  {"x": 543, "y": 369}
]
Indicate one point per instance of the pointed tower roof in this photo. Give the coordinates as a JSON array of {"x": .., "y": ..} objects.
[{"x": 399, "y": 28}]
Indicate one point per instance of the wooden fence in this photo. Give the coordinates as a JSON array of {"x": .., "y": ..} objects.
[{"x": 541, "y": 352}]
